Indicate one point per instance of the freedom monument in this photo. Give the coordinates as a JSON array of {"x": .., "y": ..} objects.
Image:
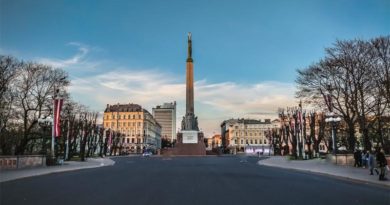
[{"x": 189, "y": 139}]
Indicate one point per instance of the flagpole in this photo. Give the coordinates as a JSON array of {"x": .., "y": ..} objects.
[
  {"x": 67, "y": 141},
  {"x": 53, "y": 126}
]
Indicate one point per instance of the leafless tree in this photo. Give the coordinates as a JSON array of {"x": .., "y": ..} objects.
[
  {"x": 35, "y": 87},
  {"x": 9, "y": 68},
  {"x": 354, "y": 74}
]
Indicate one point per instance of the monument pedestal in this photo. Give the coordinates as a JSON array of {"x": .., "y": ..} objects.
[
  {"x": 189, "y": 140},
  {"x": 189, "y": 143}
]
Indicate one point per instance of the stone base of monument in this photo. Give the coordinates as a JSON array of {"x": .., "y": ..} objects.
[{"x": 188, "y": 143}]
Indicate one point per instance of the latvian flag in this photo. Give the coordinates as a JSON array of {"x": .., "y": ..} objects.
[{"x": 57, "y": 114}]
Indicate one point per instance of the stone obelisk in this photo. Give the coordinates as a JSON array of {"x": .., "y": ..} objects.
[
  {"x": 190, "y": 140},
  {"x": 190, "y": 122},
  {"x": 189, "y": 79}
]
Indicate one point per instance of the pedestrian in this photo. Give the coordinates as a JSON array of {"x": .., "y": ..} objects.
[
  {"x": 382, "y": 162},
  {"x": 363, "y": 158},
  {"x": 356, "y": 157},
  {"x": 370, "y": 162}
]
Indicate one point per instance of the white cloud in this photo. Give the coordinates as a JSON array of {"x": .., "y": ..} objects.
[
  {"x": 215, "y": 102},
  {"x": 76, "y": 61}
]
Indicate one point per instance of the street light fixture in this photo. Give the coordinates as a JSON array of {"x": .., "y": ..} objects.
[
  {"x": 48, "y": 121},
  {"x": 334, "y": 120}
]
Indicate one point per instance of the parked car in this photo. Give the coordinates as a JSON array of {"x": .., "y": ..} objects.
[{"x": 147, "y": 154}]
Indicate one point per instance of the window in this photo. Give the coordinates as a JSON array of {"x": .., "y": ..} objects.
[
  {"x": 128, "y": 140},
  {"x": 123, "y": 140},
  {"x": 242, "y": 141},
  {"x": 133, "y": 116},
  {"x": 133, "y": 124},
  {"x": 139, "y": 116},
  {"x": 139, "y": 124},
  {"x": 132, "y": 140},
  {"x": 251, "y": 141},
  {"x": 124, "y": 116},
  {"x": 106, "y": 124},
  {"x": 255, "y": 141},
  {"x": 119, "y": 116},
  {"x": 128, "y": 117}
]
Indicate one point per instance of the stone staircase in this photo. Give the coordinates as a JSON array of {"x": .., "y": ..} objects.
[{"x": 181, "y": 149}]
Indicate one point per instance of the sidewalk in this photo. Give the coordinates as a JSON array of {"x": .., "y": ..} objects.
[
  {"x": 322, "y": 166},
  {"x": 8, "y": 175}
]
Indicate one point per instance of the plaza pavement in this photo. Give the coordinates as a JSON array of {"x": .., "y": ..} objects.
[
  {"x": 323, "y": 166},
  {"x": 8, "y": 175},
  {"x": 318, "y": 166}
]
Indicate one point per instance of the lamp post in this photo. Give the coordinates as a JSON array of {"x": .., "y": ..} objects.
[
  {"x": 333, "y": 119},
  {"x": 46, "y": 121}
]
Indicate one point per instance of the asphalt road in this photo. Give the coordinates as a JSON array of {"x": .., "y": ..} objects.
[{"x": 189, "y": 181}]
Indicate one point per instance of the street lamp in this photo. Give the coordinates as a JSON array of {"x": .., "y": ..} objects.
[
  {"x": 334, "y": 120},
  {"x": 47, "y": 121}
]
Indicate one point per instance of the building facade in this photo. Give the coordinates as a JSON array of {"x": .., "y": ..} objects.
[
  {"x": 138, "y": 129},
  {"x": 166, "y": 116},
  {"x": 216, "y": 141},
  {"x": 249, "y": 135}
]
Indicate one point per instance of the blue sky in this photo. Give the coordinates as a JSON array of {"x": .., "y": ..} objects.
[{"x": 245, "y": 52}]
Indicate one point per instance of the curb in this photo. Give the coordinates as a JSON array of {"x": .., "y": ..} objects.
[
  {"x": 348, "y": 179},
  {"x": 45, "y": 172}
]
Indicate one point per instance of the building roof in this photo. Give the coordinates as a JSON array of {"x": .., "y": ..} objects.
[
  {"x": 166, "y": 106},
  {"x": 246, "y": 121},
  {"x": 123, "y": 108}
]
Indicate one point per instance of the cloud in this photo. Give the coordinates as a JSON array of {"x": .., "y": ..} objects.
[
  {"x": 214, "y": 102},
  {"x": 76, "y": 61}
]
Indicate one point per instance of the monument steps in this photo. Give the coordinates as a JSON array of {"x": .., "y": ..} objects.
[{"x": 183, "y": 149}]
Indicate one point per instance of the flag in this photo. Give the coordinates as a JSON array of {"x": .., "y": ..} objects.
[
  {"x": 299, "y": 120},
  {"x": 109, "y": 139},
  {"x": 329, "y": 103},
  {"x": 57, "y": 113}
]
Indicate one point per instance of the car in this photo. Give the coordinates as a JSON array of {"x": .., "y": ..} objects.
[{"x": 146, "y": 154}]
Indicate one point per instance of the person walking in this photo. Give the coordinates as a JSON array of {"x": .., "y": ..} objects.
[
  {"x": 359, "y": 156},
  {"x": 356, "y": 157},
  {"x": 382, "y": 162},
  {"x": 363, "y": 159},
  {"x": 370, "y": 162}
]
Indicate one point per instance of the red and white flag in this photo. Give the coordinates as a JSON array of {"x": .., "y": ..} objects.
[
  {"x": 110, "y": 139},
  {"x": 57, "y": 113}
]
